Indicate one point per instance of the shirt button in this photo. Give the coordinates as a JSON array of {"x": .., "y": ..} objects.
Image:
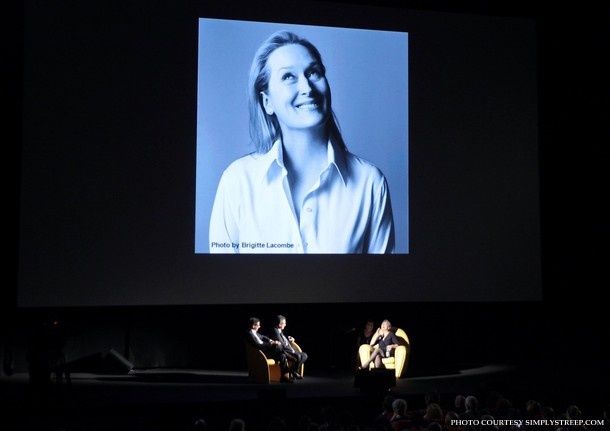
[{"x": 309, "y": 210}]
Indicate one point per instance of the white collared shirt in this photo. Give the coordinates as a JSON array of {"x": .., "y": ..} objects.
[
  {"x": 255, "y": 333},
  {"x": 348, "y": 210}
]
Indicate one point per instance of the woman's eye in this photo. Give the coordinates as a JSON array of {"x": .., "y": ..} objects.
[
  {"x": 287, "y": 76},
  {"x": 315, "y": 74}
]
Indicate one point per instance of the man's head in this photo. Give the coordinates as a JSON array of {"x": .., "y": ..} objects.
[
  {"x": 280, "y": 321},
  {"x": 255, "y": 323}
]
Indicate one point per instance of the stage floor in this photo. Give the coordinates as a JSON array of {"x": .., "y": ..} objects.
[{"x": 169, "y": 385}]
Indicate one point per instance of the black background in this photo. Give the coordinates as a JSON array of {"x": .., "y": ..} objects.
[
  {"x": 108, "y": 169},
  {"x": 565, "y": 332}
]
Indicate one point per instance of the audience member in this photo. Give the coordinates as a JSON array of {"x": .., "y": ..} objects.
[
  {"x": 345, "y": 420},
  {"x": 487, "y": 423},
  {"x": 200, "y": 425},
  {"x": 386, "y": 408},
  {"x": 433, "y": 413},
  {"x": 503, "y": 408},
  {"x": 277, "y": 423},
  {"x": 237, "y": 425},
  {"x": 471, "y": 404},
  {"x": 328, "y": 418},
  {"x": 549, "y": 412},
  {"x": 450, "y": 419},
  {"x": 533, "y": 410},
  {"x": 573, "y": 412},
  {"x": 399, "y": 408},
  {"x": 304, "y": 421},
  {"x": 459, "y": 404}
]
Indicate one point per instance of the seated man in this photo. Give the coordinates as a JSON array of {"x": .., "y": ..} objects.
[
  {"x": 298, "y": 358},
  {"x": 271, "y": 348}
]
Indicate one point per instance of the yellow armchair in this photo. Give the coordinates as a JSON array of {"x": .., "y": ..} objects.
[
  {"x": 262, "y": 369},
  {"x": 398, "y": 362}
]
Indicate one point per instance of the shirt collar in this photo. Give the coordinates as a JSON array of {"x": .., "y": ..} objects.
[
  {"x": 273, "y": 160},
  {"x": 257, "y": 336}
]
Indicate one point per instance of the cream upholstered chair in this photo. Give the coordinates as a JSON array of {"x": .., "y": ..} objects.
[
  {"x": 398, "y": 362},
  {"x": 262, "y": 369}
]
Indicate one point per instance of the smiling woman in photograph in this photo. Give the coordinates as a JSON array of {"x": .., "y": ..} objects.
[{"x": 301, "y": 191}]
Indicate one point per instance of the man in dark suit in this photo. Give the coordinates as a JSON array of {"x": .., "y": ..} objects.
[
  {"x": 298, "y": 358},
  {"x": 271, "y": 348}
]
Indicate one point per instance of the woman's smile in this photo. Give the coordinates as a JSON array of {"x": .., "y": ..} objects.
[{"x": 308, "y": 106}]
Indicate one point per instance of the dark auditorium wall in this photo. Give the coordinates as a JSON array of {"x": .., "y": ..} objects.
[{"x": 568, "y": 325}]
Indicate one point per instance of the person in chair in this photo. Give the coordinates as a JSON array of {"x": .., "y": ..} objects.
[
  {"x": 271, "y": 348},
  {"x": 297, "y": 357},
  {"x": 384, "y": 342}
]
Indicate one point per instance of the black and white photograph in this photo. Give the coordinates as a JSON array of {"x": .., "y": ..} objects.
[{"x": 369, "y": 119}]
